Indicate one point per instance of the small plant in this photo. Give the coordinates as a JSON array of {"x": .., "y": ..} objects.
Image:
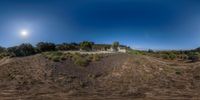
[
  {"x": 94, "y": 57},
  {"x": 81, "y": 61},
  {"x": 165, "y": 56},
  {"x": 172, "y": 56},
  {"x": 56, "y": 58},
  {"x": 178, "y": 72},
  {"x": 2, "y": 55}
]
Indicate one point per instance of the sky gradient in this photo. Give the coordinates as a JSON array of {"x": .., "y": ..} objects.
[{"x": 141, "y": 24}]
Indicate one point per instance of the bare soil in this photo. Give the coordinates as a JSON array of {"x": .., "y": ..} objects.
[{"x": 114, "y": 77}]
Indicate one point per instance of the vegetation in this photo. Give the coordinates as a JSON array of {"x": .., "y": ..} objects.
[
  {"x": 115, "y": 46},
  {"x": 86, "y": 45},
  {"x": 137, "y": 52},
  {"x": 191, "y": 55},
  {"x": 51, "y": 51},
  {"x": 46, "y": 46},
  {"x": 21, "y": 50},
  {"x": 194, "y": 56},
  {"x": 77, "y": 58},
  {"x": 2, "y": 49},
  {"x": 66, "y": 46}
]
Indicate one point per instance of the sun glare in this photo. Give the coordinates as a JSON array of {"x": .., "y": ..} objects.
[{"x": 24, "y": 33}]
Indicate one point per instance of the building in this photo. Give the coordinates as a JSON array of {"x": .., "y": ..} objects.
[{"x": 121, "y": 48}]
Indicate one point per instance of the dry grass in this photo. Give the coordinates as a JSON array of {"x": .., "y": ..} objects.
[
  {"x": 77, "y": 58},
  {"x": 119, "y": 75}
]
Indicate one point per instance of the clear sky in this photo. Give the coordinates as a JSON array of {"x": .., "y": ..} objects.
[{"x": 142, "y": 24}]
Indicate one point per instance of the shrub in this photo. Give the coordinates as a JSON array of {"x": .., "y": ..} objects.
[
  {"x": 194, "y": 56},
  {"x": 183, "y": 56},
  {"x": 94, "y": 57},
  {"x": 169, "y": 55},
  {"x": 45, "y": 46},
  {"x": 26, "y": 49},
  {"x": 66, "y": 46},
  {"x": 81, "y": 61},
  {"x": 150, "y": 51},
  {"x": 5, "y": 54},
  {"x": 56, "y": 58},
  {"x": 21, "y": 50},
  {"x": 86, "y": 45},
  {"x": 137, "y": 52},
  {"x": 165, "y": 56},
  {"x": 172, "y": 56},
  {"x": 2, "y": 49}
]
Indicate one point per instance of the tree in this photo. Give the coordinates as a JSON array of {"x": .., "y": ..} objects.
[
  {"x": 13, "y": 51},
  {"x": 21, "y": 50},
  {"x": 46, "y": 46},
  {"x": 86, "y": 45},
  {"x": 172, "y": 56},
  {"x": 150, "y": 51},
  {"x": 115, "y": 46},
  {"x": 2, "y": 49},
  {"x": 26, "y": 49},
  {"x": 66, "y": 46}
]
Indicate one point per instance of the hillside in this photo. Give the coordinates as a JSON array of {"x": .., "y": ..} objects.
[{"x": 114, "y": 76}]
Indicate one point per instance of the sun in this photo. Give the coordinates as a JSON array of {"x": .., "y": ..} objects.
[{"x": 24, "y": 33}]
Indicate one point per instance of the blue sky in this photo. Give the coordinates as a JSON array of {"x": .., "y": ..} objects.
[{"x": 141, "y": 24}]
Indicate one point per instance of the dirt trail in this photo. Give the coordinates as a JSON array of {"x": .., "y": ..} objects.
[{"x": 4, "y": 61}]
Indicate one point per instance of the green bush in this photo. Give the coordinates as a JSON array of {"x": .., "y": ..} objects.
[
  {"x": 169, "y": 56},
  {"x": 165, "y": 56},
  {"x": 172, "y": 56},
  {"x": 86, "y": 45},
  {"x": 194, "y": 56}
]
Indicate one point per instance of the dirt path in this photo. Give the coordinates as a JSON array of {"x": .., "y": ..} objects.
[{"x": 4, "y": 61}]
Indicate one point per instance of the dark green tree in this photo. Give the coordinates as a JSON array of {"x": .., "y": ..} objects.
[
  {"x": 115, "y": 46},
  {"x": 46, "y": 46},
  {"x": 86, "y": 45},
  {"x": 24, "y": 49}
]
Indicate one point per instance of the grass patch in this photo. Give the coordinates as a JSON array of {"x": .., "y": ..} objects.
[
  {"x": 81, "y": 61},
  {"x": 54, "y": 55},
  {"x": 77, "y": 58},
  {"x": 2, "y": 55}
]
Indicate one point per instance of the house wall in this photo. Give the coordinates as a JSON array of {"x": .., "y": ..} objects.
[{"x": 123, "y": 50}]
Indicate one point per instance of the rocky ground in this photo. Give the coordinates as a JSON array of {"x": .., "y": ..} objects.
[{"x": 115, "y": 77}]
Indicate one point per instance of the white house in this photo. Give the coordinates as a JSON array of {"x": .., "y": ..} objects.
[{"x": 121, "y": 49}]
